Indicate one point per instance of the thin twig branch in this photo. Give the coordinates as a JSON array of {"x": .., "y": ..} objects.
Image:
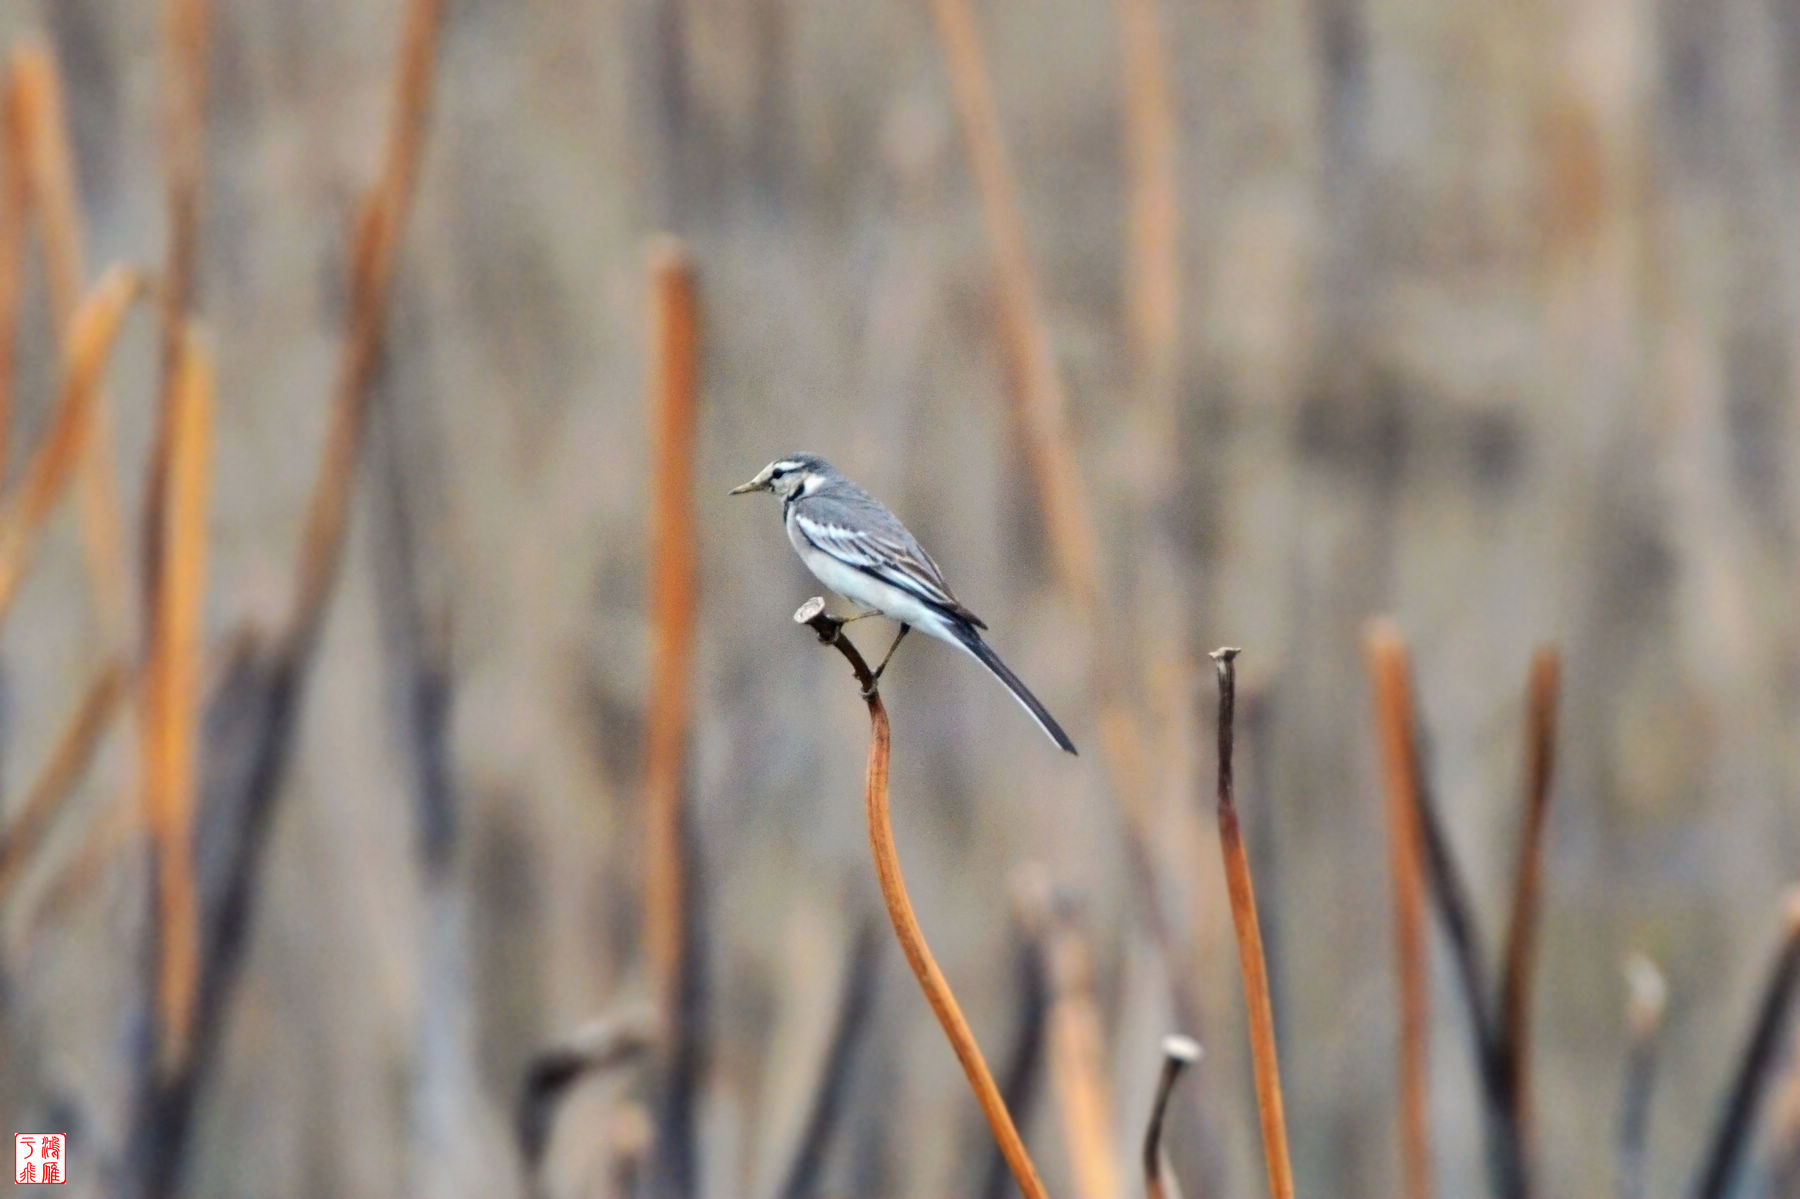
[
  {"x": 1258, "y": 1011},
  {"x": 900, "y": 911},
  {"x": 1159, "y": 1181}
]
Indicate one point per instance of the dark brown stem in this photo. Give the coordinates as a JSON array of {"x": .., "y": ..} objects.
[
  {"x": 1737, "y": 1119},
  {"x": 900, "y": 910},
  {"x": 1258, "y": 1010},
  {"x": 1521, "y": 941},
  {"x": 1159, "y": 1181},
  {"x": 856, "y": 1004}
]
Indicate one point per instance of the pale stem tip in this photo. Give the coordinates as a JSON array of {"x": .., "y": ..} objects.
[
  {"x": 1647, "y": 994},
  {"x": 810, "y": 610},
  {"x": 1181, "y": 1049}
]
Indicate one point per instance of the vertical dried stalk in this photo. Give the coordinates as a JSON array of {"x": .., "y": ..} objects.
[
  {"x": 906, "y": 924},
  {"x": 1044, "y": 411},
  {"x": 1521, "y": 943},
  {"x": 185, "y": 25},
  {"x": 1643, "y": 1018},
  {"x": 74, "y": 750},
  {"x": 1178, "y": 1053},
  {"x": 1077, "y": 1065},
  {"x": 1737, "y": 1117},
  {"x": 1153, "y": 234},
  {"x": 1257, "y": 1008},
  {"x": 172, "y": 694},
  {"x": 86, "y": 350},
  {"x": 377, "y": 241},
  {"x": 50, "y": 174},
  {"x": 1394, "y": 715},
  {"x": 15, "y": 209},
  {"x": 674, "y": 355},
  {"x": 1041, "y": 408}
]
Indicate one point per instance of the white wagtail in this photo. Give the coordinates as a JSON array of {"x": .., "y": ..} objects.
[{"x": 860, "y": 550}]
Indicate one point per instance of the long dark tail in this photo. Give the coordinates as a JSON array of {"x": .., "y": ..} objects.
[{"x": 984, "y": 653}]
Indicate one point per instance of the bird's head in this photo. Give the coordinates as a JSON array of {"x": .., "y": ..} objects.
[{"x": 786, "y": 476}]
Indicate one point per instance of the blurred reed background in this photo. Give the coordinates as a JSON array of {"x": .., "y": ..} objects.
[{"x": 413, "y": 783}]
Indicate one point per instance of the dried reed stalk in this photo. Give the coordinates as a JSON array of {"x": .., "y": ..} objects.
[
  {"x": 1521, "y": 941},
  {"x": 900, "y": 910},
  {"x": 1448, "y": 890},
  {"x": 1646, "y": 998},
  {"x": 15, "y": 210},
  {"x": 1258, "y": 1010},
  {"x": 256, "y": 706},
  {"x": 1041, "y": 409},
  {"x": 1737, "y": 1116},
  {"x": 87, "y": 348},
  {"x": 172, "y": 692},
  {"x": 674, "y": 384},
  {"x": 185, "y": 32},
  {"x": 58, "y": 776},
  {"x": 1159, "y": 1181},
  {"x": 50, "y": 174},
  {"x": 1153, "y": 231},
  {"x": 379, "y": 226},
  {"x": 1392, "y": 682},
  {"x": 1078, "y": 1064}
]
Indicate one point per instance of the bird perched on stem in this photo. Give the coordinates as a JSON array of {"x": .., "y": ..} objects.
[{"x": 860, "y": 550}]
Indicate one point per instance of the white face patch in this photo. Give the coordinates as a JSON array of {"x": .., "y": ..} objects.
[{"x": 787, "y": 476}]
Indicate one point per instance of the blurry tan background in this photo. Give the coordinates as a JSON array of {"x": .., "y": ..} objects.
[{"x": 1486, "y": 320}]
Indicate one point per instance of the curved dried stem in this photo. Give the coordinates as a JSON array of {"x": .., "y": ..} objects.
[
  {"x": 1258, "y": 1009},
  {"x": 1159, "y": 1181},
  {"x": 900, "y": 910}
]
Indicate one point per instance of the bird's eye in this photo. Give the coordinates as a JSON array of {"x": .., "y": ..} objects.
[{"x": 778, "y": 472}]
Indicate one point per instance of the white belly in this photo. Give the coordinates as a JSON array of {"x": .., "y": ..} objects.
[{"x": 860, "y": 588}]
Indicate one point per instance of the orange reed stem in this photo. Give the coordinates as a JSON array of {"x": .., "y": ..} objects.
[
  {"x": 1257, "y": 1007},
  {"x": 1392, "y": 682},
  {"x": 906, "y": 924}
]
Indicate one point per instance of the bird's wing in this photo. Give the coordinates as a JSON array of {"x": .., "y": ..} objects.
[{"x": 859, "y": 532}]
